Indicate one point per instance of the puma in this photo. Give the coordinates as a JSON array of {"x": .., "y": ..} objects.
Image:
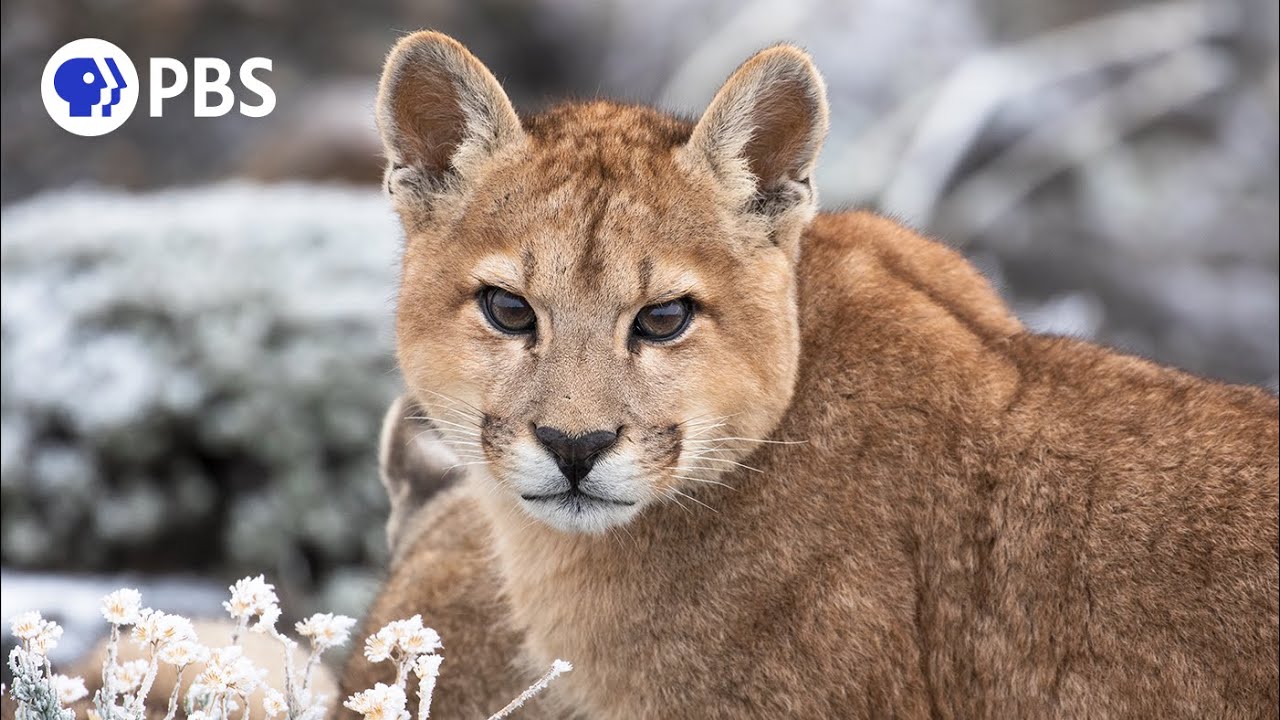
[{"x": 734, "y": 458}]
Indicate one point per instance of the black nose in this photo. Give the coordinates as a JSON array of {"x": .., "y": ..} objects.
[{"x": 575, "y": 455}]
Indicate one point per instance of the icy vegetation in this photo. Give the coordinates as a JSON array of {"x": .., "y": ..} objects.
[{"x": 193, "y": 380}]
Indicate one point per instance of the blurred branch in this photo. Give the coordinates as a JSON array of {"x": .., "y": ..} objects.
[
  {"x": 753, "y": 27},
  {"x": 955, "y": 111},
  {"x": 1068, "y": 140}
]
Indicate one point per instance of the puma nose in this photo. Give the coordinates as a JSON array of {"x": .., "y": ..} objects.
[{"x": 575, "y": 455}]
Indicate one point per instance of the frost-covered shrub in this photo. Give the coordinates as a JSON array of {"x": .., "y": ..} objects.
[{"x": 193, "y": 379}]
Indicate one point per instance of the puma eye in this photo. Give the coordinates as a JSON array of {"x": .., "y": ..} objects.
[
  {"x": 663, "y": 321},
  {"x": 506, "y": 311}
]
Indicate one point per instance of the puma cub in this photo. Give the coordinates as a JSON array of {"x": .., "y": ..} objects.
[{"x": 737, "y": 459}]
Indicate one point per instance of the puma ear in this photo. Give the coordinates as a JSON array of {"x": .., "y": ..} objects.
[
  {"x": 763, "y": 130},
  {"x": 414, "y": 464},
  {"x": 441, "y": 114}
]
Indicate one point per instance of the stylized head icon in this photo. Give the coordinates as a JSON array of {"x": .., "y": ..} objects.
[
  {"x": 89, "y": 86},
  {"x": 81, "y": 82}
]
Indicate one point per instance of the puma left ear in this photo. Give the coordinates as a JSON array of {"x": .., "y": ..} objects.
[
  {"x": 415, "y": 464},
  {"x": 762, "y": 133},
  {"x": 441, "y": 114}
]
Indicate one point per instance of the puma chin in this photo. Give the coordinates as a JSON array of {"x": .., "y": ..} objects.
[{"x": 611, "y": 494}]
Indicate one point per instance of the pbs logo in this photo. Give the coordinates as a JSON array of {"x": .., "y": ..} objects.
[{"x": 89, "y": 87}]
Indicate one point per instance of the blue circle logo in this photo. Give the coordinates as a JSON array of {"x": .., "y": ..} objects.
[{"x": 89, "y": 87}]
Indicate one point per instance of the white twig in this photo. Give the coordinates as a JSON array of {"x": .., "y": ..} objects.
[
  {"x": 959, "y": 108},
  {"x": 173, "y": 696},
  {"x": 1091, "y": 128},
  {"x": 558, "y": 668},
  {"x": 753, "y": 26}
]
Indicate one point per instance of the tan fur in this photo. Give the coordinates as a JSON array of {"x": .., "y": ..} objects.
[{"x": 955, "y": 517}]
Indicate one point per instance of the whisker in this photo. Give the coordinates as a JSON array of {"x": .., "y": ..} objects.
[
  {"x": 697, "y": 468},
  {"x": 672, "y": 498},
  {"x": 755, "y": 440},
  {"x": 467, "y": 428},
  {"x": 455, "y": 434},
  {"x": 704, "y": 480},
  {"x": 466, "y": 415},
  {"x": 728, "y": 462},
  {"x": 461, "y": 450},
  {"x": 467, "y": 454},
  {"x": 704, "y": 430},
  {"x": 695, "y": 500},
  {"x": 484, "y": 462},
  {"x": 696, "y": 418},
  {"x": 453, "y": 399}
]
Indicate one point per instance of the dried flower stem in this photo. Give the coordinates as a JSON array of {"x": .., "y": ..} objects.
[
  {"x": 173, "y": 696},
  {"x": 139, "y": 700},
  {"x": 558, "y": 668},
  {"x": 426, "y": 687},
  {"x": 104, "y": 701}
]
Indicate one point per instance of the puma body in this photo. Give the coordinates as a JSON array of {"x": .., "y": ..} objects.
[{"x": 911, "y": 506}]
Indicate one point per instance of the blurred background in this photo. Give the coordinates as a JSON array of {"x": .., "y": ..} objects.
[{"x": 196, "y": 312}]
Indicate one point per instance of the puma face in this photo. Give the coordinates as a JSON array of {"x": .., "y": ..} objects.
[{"x": 597, "y": 307}]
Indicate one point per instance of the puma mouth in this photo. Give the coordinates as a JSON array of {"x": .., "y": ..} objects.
[{"x": 571, "y": 496}]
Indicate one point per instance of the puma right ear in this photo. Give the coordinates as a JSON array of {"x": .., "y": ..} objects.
[{"x": 441, "y": 114}]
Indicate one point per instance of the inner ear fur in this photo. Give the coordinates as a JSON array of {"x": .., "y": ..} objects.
[
  {"x": 762, "y": 132},
  {"x": 440, "y": 113}
]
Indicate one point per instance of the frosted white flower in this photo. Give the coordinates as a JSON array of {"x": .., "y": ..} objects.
[
  {"x": 378, "y": 646},
  {"x": 47, "y": 640},
  {"x": 122, "y": 607},
  {"x": 182, "y": 653},
  {"x": 326, "y": 630},
  {"x": 251, "y": 596},
  {"x": 428, "y": 666},
  {"x": 227, "y": 670},
  {"x": 155, "y": 627},
  {"x": 273, "y": 703},
  {"x": 421, "y": 640},
  {"x": 39, "y": 635},
  {"x": 407, "y": 635},
  {"x": 560, "y": 667},
  {"x": 403, "y": 628},
  {"x": 27, "y": 625},
  {"x": 267, "y": 622},
  {"x": 129, "y": 675},
  {"x": 69, "y": 689},
  {"x": 198, "y": 694},
  {"x": 381, "y": 702}
]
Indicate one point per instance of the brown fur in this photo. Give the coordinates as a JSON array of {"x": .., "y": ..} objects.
[{"x": 958, "y": 518}]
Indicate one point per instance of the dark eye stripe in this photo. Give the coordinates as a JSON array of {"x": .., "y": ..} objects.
[
  {"x": 663, "y": 321},
  {"x": 507, "y": 311}
]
